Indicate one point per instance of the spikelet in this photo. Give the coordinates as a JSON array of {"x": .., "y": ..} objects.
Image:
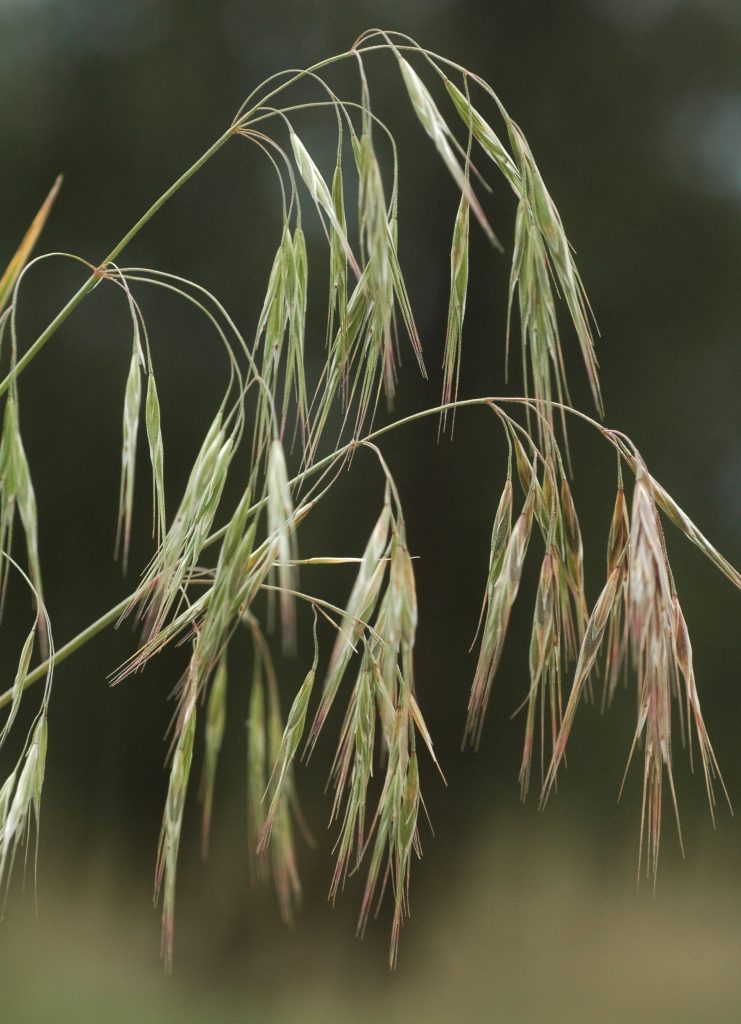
[
  {"x": 176, "y": 559},
  {"x": 557, "y": 520},
  {"x": 20, "y": 796},
  {"x": 396, "y": 834},
  {"x": 528, "y": 476},
  {"x": 337, "y": 301},
  {"x": 172, "y": 822},
  {"x": 17, "y": 495},
  {"x": 152, "y": 418},
  {"x": 374, "y": 228},
  {"x": 530, "y": 282},
  {"x": 358, "y": 611},
  {"x": 289, "y": 744},
  {"x": 132, "y": 408},
  {"x": 485, "y": 136},
  {"x": 321, "y": 195},
  {"x": 281, "y": 524},
  {"x": 545, "y": 667},
  {"x": 272, "y": 324},
  {"x": 256, "y": 772},
  {"x": 574, "y": 553},
  {"x": 19, "y": 683},
  {"x": 397, "y": 618},
  {"x": 502, "y": 588},
  {"x": 353, "y": 768},
  {"x": 214, "y": 736},
  {"x": 282, "y": 326},
  {"x": 617, "y": 548},
  {"x": 271, "y": 810},
  {"x": 650, "y": 614},
  {"x": 500, "y": 535},
  {"x": 284, "y": 865},
  {"x": 239, "y": 572},
  {"x": 456, "y": 306},
  {"x": 542, "y": 251},
  {"x": 590, "y": 646},
  {"x": 436, "y": 127},
  {"x": 296, "y": 297},
  {"x": 350, "y": 339}
]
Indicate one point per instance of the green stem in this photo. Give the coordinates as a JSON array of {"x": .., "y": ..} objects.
[
  {"x": 94, "y": 278},
  {"x": 69, "y": 648},
  {"x": 42, "y": 339},
  {"x": 193, "y": 169}
]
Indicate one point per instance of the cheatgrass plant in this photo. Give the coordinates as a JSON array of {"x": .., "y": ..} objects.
[{"x": 280, "y": 420}]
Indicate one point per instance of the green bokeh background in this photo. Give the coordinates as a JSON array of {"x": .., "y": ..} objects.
[{"x": 633, "y": 109}]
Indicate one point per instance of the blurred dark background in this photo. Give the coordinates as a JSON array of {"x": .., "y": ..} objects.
[{"x": 633, "y": 109}]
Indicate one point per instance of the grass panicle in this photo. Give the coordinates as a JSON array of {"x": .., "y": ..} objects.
[
  {"x": 208, "y": 581},
  {"x": 638, "y": 615}
]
